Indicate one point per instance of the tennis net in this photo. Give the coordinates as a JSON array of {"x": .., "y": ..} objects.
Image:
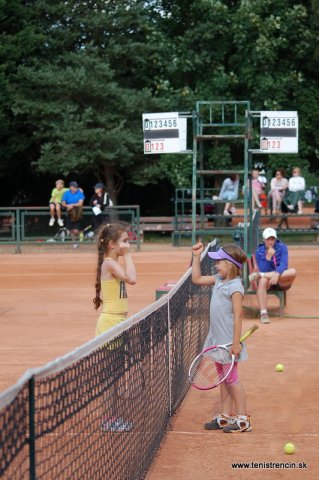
[{"x": 102, "y": 411}]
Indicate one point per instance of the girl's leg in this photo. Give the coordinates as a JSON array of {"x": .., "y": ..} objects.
[
  {"x": 58, "y": 210},
  {"x": 226, "y": 400},
  {"x": 238, "y": 395},
  {"x": 52, "y": 210},
  {"x": 255, "y": 198},
  {"x": 227, "y": 207},
  {"x": 52, "y": 213},
  {"x": 276, "y": 200},
  {"x": 240, "y": 421},
  {"x": 300, "y": 205}
]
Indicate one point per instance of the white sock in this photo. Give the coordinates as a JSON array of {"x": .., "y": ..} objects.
[
  {"x": 263, "y": 311},
  {"x": 242, "y": 417}
]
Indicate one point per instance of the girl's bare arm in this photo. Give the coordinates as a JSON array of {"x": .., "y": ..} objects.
[{"x": 197, "y": 277}]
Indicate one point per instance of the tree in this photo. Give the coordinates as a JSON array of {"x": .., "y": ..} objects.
[{"x": 84, "y": 101}]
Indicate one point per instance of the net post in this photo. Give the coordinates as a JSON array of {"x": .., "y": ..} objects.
[
  {"x": 32, "y": 470},
  {"x": 169, "y": 334}
]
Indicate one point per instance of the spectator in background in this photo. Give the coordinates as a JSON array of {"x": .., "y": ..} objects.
[
  {"x": 278, "y": 187},
  {"x": 229, "y": 193},
  {"x": 257, "y": 188},
  {"x": 296, "y": 191},
  {"x": 99, "y": 201},
  {"x": 273, "y": 271},
  {"x": 56, "y": 202},
  {"x": 72, "y": 201}
]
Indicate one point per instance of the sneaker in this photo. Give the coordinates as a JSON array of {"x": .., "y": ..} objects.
[
  {"x": 60, "y": 222},
  {"x": 116, "y": 425},
  {"x": 238, "y": 425},
  {"x": 76, "y": 245},
  {"x": 264, "y": 318},
  {"x": 300, "y": 212},
  {"x": 291, "y": 207},
  {"x": 218, "y": 422},
  {"x": 51, "y": 222},
  {"x": 253, "y": 277},
  {"x": 226, "y": 213}
]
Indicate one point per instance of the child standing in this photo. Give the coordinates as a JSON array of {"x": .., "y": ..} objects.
[
  {"x": 111, "y": 279},
  {"x": 225, "y": 327},
  {"x": 56, "y": 202}
]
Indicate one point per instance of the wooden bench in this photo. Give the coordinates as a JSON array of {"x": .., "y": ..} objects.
[
  {"x": 156, "y": 224},
  {"x": 166, "y": 224},
  {"x": 252, "y": 288},
  {"x": 177, "y": 235}
]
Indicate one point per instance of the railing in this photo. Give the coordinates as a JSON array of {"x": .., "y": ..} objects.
[{"x": 30, "y": 225}]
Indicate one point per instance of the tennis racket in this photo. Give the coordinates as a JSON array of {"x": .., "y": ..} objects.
[{"x": 213, "y": 365}]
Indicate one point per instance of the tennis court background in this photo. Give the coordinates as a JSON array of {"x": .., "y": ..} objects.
[{"x": 46, "y": 311}]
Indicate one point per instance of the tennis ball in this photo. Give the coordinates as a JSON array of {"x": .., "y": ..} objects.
[
  {"x": 279, "y": 367},
  {"x": 289, "y": 448}
]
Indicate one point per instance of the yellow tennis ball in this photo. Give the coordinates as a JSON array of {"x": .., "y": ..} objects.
[
  {"x": 279, "y": 367},
  {"x": 289, "y": 448}
]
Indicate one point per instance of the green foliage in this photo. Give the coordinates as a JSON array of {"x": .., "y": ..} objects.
[{"x": 75, "y": 78}]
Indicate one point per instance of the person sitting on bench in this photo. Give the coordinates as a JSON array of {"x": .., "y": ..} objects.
[
  {"x": 272, "y": 261},
  {"x": 295, "y": 195}
]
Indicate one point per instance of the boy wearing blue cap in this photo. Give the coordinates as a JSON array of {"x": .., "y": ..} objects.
[{"x": 72, "y": 201}]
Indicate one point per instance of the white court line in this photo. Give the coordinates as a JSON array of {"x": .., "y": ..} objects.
[{"x": 209, "y": 434}]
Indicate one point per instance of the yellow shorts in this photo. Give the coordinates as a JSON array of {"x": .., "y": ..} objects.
[{"x": 107, "y": 321}]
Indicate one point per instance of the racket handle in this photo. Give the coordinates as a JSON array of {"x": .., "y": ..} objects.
[{"x": 249, "y": 332}]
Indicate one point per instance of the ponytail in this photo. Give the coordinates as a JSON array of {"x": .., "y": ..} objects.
[{"x": 106, "y": 233}]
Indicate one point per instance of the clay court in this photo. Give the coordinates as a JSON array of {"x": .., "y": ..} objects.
[{"x": 46, "y": 311}]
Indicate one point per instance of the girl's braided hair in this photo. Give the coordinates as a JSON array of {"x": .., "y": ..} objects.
[{"x": 106, "y": 233}]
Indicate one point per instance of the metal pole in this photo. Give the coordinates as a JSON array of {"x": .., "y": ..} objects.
[
  {"x": 194, "y": 182},
  {"x": 32, "y": 469},
  {"x": 18, "y": 230}
]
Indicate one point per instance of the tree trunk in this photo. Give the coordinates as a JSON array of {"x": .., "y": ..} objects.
[{"x": 113, "y": 182}]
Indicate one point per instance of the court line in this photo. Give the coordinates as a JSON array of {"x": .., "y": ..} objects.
[{"x": 209, "y": 434}]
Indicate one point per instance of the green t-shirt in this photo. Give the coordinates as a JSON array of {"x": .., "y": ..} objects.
[{"x": 56, "y": 195}]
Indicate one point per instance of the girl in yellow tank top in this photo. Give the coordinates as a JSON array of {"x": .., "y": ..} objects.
[{"x": 111, "y": 277}]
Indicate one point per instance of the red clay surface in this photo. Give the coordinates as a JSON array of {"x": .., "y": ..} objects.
[
  {"x": 46, "y": 311},
  {"x": 283, "y": 406},
  {"x": 46, "y": 307}
]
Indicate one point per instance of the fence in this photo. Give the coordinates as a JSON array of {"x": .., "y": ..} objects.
[{"x": 30, "y": 225}]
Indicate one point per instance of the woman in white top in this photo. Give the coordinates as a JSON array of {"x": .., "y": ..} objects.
[
  {"x": 229, "y": 193},
  {"x": 278, "y": 186},
  {"x": 296, "y": 191}
]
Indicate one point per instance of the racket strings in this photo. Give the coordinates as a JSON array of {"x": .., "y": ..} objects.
[{"x": 211, "y": 368}]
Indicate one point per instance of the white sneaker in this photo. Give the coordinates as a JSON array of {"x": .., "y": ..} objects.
[
  {"x": 52, "y": 222},
  {"x": 60, "y": 222},
  {"x": 264, "y": 318},
  {"x": 226, "y": 213},
  {"x": 116, "y": 425}
]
